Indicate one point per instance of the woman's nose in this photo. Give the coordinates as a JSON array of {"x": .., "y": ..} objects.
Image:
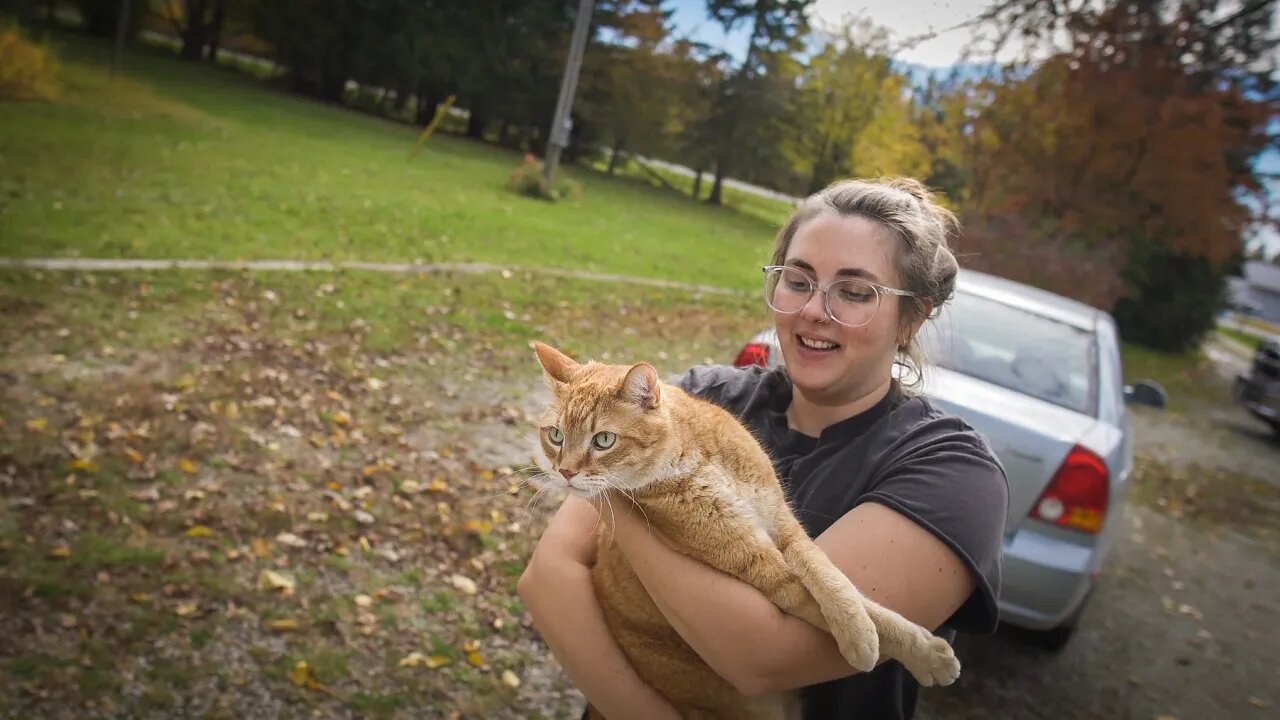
[{"x": 815, "y": 309}]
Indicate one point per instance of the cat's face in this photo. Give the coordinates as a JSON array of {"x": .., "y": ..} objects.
[{"x": 604, "y": 426}]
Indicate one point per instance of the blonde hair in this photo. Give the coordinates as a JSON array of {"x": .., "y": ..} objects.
[{"x": 926, "y": 266}]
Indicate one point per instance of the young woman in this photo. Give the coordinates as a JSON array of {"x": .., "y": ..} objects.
[{"x": 908, "y": 501}]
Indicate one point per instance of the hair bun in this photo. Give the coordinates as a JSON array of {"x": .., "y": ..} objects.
[{"x": 910, "y": 186}]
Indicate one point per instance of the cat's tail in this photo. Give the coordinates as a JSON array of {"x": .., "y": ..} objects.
[{"x": 843, "y": 607}]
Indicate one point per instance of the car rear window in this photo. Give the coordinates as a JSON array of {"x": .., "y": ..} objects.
[{"x": 1016, "y": 349}]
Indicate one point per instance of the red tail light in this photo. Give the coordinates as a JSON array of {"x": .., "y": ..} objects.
[
  {"x": 753, "y": 354},
  {"x": 1077, "y": 496}
]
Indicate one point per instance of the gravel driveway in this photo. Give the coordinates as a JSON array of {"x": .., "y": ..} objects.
[{"x": 1184, "y": 623}]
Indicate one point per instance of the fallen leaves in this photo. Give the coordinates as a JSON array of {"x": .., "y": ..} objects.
[
  {"x": 187, "y": 466},
  {"x": 463, "y": 584},
  {"x": 290, "y": 540},
  {"x": 304, "y": 677},
  {"x": 417, "y": 659},
  {"x": 277, "y": 581},
  {"x": 199, "y": 531},
  {"x": 510, "y": 679},
  {"x": 283, "y": 625}
]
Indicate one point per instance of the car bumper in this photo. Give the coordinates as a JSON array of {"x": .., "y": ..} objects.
[
  {"x": 1044, "y": 579},
  {"x": 1260, "y": 398}
]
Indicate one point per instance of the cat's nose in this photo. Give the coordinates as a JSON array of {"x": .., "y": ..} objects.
[{"x": 568, "y": 474}]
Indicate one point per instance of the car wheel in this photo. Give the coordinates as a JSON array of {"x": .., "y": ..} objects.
[{"x": 1055, "y": 639}]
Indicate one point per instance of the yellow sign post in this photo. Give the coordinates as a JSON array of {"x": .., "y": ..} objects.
[{"x": 431, "y": 126}]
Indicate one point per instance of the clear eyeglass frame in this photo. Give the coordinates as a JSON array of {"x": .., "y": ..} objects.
[{"x": 775, "y": 273}]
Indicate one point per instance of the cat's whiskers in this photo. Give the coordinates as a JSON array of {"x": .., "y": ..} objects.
[
  {"x": 526, "y": 475},
  {"x": 614, "y": 482}
]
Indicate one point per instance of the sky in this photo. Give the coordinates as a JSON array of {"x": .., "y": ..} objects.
[{"x": 904, "y": 19}]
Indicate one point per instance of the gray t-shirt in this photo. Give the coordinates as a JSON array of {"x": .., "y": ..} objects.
[{"x": 903, "y": 453}]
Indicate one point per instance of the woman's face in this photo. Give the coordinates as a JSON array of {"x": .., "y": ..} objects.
[{"x": 826, "y": 248}]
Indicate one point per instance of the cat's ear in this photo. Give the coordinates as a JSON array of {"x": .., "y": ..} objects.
[
  {"x": 641, "y": 386},
  {"x": 558, "y": 366}
]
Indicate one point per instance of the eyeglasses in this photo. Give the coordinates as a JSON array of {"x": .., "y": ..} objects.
[{"x": 849, "y": 301}]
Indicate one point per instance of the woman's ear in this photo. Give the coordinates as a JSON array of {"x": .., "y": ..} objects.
[{"x": 911, "y": 324}]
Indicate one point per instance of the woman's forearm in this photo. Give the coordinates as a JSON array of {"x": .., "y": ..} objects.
[
  {"x": 738, "y": 631},
  {"x": 565, "y": 611}
]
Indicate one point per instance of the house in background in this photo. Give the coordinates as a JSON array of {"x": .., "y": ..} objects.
[{"x": 1258, "y": 292}]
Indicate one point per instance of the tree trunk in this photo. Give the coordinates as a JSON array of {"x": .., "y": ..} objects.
[
  {"x": 477, "y": 122},
  {"x": 428, "y": 101},
  {"x": 215, "y": 30},
  {"x": 615, "y": 157},
  {"x": 717, "y": 186},
  {"x": 697, "y": 182},
  {"x": 196, "y": 34}
]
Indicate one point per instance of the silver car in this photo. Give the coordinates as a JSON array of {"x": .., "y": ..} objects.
[{"x": 1039, "y": 374}]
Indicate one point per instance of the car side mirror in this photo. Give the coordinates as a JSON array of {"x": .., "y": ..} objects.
[{"x": 1146, "y": 392}]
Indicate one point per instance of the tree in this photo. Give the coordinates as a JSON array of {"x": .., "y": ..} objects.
[
  {"x": 627, "y": 87},
  {"x": 1140, "y": 136},
  {"x": 744, "y": 105},
  {"x": 851, "y": 114},
  {"x": 197, "y": 22}
]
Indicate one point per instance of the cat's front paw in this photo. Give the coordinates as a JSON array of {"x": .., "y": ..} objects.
[
  {"x": 933, "y": 662},
  {"x": 858, "y": 640}
]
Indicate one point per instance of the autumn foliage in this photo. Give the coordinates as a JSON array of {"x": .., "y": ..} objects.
[{"x": 1127, "y": 154}]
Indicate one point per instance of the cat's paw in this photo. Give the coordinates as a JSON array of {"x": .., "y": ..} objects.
[
  {"x": 858, "y": 640},
  {"x": 933, "y": 662}
]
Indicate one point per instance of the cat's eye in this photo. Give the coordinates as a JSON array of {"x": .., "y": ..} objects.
[
  {"x": 604, "y": 440},
  {"x": 554, "y": 435}
]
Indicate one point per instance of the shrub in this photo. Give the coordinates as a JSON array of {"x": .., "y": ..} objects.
[
  {"x": 530, "y": 179},
  {"x": 28, "y": 71}
]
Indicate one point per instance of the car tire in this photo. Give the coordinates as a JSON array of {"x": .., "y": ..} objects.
[{"x": 1055, "y": 639}]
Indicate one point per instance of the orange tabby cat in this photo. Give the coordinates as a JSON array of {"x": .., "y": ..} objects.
[{"x": 708, "y": 488}]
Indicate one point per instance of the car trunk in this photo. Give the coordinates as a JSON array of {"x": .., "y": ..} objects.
[{"x": 1031, "y": 437}]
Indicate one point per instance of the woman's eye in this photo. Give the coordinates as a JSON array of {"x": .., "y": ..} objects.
[
  {"x": 604, "y": 440},
  {"x": 797, "y": 286},
  {"x": 855, "y": 296},
  {"x": 554, "y": 435}
]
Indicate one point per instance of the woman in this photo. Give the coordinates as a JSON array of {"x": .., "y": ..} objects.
[{"x": 907, "y": 501}]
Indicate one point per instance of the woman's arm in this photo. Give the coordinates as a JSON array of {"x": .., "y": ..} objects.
[
  {"x": 556, "y": 588},
  {"x": 748, "y": 641}
]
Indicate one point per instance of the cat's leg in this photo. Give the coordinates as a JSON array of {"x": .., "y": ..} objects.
[
  {"x": 842, "y": 604},
  {"x": 926, "y": 656},
  {"x": 745, "y": 552}
]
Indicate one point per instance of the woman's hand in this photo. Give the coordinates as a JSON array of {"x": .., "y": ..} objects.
[{"x": 556, "y": 588}]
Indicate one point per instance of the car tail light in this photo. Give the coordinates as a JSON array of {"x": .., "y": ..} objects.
[
  {"x": 1077, "y": 495},
  {"x": 753, "y": 354}
]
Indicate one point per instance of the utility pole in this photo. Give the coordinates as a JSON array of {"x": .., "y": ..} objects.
[
  {"x": 122, "y": 29},
  {"x": 559, "y": 137}
]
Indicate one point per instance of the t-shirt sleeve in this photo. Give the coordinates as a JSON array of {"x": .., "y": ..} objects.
[
  {"x": 947, "y": 479},
  {"x": 724, "y": 385}
]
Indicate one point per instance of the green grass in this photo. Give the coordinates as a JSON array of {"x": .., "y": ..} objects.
[
  {"x": 179, "y": 160},
  {"x": 1189, "y": 378},
  {"x": 1249, "y": 340}
]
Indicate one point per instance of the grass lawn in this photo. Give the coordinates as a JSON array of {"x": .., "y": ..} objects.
[
  {"x": 258, "y": 495},
  {"x": 261, "y": 495},
  {"x": 182, "y": 160},
  {"x": 1248, "y": 340}
]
